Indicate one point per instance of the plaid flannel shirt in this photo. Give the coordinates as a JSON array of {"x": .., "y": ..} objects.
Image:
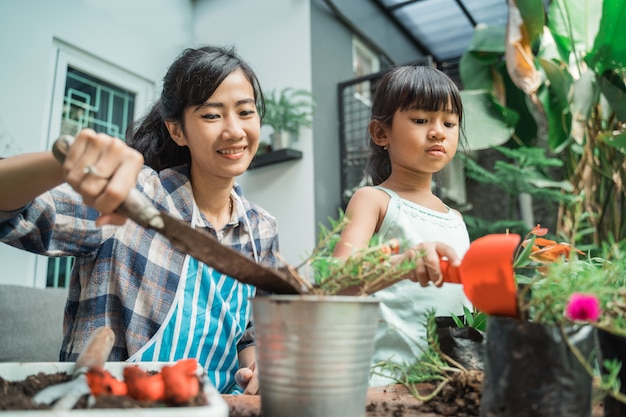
[{"x": 125, "y": 277}]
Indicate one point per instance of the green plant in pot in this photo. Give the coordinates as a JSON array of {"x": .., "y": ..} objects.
[
  {"x": 562, "y": 297},
  {"x": 287, "y": 110},
  {"x": 545, "y": 341},
  {"x": 314, "y": 351},
  {"x": 589, "y": 291}
]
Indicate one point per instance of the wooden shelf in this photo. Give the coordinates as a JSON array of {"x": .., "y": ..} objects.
[{"x": 275, "y": 157}]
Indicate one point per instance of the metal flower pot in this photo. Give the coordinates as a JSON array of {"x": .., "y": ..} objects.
[{"x": 314, "y": 353}]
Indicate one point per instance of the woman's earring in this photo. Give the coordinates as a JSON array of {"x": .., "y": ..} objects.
[{"x": 385, "y": 147}]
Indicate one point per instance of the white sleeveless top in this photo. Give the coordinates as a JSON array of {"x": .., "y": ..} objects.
[{"x": 401, "y": 333}]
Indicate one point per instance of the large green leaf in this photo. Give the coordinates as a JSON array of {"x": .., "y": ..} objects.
[
  {"x": 585, "y": 95},
  {"x": 616, "y": 141},
  {"x": 560, "y": 81},
  {"x": 533, "y": 13},
  {"x": 488, "y": 42},
  {"x": 526, "y": 126},
  {"x": 609, "y": 49},
  {"x": 485, "y": 50},
  {"x": 556, "y": 104},
  {"x": 554, "y": 116},
  {"x": 487, "y": 124},
  {"x": 614, "y": 90},
  {"x": 548, "y": 49},
  {"x": 475, "y": 75},
  {"x": 574, "y": 25}
]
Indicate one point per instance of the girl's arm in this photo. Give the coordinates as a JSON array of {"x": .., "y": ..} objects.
[{"x": 365, "y": 211}]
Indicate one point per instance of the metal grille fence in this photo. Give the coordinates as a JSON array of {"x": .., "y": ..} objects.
[{"x": 93, "y": 103}]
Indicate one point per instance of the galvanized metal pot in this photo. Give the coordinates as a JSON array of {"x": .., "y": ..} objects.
[{"x": 314, "y": 353}]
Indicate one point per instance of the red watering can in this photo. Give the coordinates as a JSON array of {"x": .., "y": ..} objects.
[{"x": 487, "y": 275}]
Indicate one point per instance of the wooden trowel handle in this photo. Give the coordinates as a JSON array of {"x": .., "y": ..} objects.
[{"x": 96, "y": 350}]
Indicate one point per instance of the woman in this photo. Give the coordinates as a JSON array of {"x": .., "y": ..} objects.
[{"x": 162, "y": 304}]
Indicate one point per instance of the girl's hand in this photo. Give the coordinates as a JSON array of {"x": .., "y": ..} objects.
[
  {"x": 103, "y": 170},
  {"x": 248, "y": 379},
  {"x": 427, "y": 256}
]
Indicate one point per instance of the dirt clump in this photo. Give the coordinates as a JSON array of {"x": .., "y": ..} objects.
[{"x": 460, "y": 397}]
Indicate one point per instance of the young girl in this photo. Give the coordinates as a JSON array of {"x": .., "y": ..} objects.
[
  {"x": 414, "y": 133},
  {"x": 162, "y": 304}
]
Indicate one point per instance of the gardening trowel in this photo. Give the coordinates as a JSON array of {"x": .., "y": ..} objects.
[
  {"x": 199, "y": 244},
  {"x": 94, "y": 355},
  {"x": 487, "y": 275}
]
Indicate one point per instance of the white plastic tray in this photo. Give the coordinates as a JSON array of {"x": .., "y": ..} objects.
[{"x": 17, "y": 371}]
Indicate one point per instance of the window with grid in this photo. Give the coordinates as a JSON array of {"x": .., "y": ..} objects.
[
  {"x": 94, "y": 103},
  {"x": 90, "y": 93},
  {"x": 89, "y": 102}
]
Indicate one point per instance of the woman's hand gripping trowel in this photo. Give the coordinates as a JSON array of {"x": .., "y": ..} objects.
[{"x": 94, "y": 355}]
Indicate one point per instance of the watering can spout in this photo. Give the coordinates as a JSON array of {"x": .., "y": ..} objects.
[{"x": 487, "y": 275}]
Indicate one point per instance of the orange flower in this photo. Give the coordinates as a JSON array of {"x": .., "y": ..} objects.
[
  {"x": 552, "y": 252},
  {"x": 539, "y": 241},
  {"x": 539, "y": 231},
  {"x": 546, "y": 250}
]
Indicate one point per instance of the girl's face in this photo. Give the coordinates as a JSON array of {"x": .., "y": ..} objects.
[
  {"x": 421, "y": 140},
  {"x": 223, "y": 133}
]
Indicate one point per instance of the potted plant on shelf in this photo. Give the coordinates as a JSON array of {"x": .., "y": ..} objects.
[{"x": 286, "y": 111}]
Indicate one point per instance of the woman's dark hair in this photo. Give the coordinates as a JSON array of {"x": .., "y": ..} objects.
[
  {"x": 191, "y": 79},
  {"x": 404, "y": 88}
]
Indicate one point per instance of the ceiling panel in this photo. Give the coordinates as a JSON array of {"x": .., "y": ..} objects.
[{"x": 444, "y": 27}]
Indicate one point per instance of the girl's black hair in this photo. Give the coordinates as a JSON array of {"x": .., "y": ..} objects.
[
  {"x": 403, "y": 88},
  {"x": 191, "y": 79}
]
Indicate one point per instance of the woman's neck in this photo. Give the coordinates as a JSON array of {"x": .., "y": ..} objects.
[{"x": 213, "y": 198}]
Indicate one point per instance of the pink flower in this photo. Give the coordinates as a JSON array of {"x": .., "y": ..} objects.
[{"x": 583, "y": 307}]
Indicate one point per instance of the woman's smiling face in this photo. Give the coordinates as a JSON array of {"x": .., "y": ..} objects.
[{"x": 222, "y": 133}]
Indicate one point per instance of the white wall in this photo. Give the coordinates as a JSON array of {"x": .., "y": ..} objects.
[
  {"x": 140, "y": 36},
  {"x": 274, "y": 36}
]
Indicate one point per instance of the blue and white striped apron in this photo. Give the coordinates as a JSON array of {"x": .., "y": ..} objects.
[{"x": 207, "y": 319}]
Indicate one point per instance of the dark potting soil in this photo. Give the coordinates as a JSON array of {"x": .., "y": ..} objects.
[
  {"x": 16, "y": 395},
  {"x": 459, "y": 398}
]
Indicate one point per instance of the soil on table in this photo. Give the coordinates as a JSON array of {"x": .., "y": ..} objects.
[
  {"x": 16, "y": 395},
  {"x": 459, "y": 398}
]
